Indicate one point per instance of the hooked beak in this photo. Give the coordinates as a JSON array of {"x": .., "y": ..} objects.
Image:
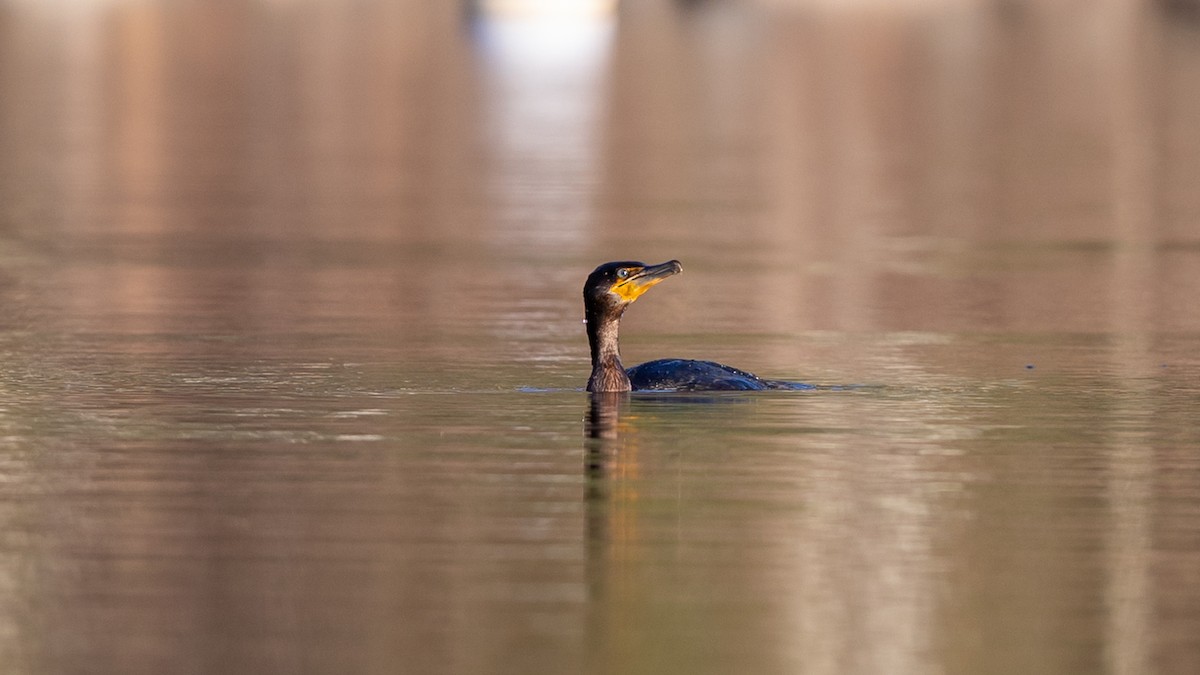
[{"x": 629, "y": 289}]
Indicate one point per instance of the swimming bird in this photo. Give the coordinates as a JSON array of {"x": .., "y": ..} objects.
[{"x": 608, "y": 291}]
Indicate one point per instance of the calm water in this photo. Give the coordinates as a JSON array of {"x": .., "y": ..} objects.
[{"x": 291, "y": 352}]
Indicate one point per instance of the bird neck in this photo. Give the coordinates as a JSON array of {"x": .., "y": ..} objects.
[{"x": 607, "y": 372}]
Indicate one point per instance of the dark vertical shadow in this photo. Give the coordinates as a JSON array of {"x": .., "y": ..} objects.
[
  {"x": 602, "y": 453},
  {"x": 601, "y": 447}
]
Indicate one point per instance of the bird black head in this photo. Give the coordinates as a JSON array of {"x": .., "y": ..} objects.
[{"x": 613, "y": 286}]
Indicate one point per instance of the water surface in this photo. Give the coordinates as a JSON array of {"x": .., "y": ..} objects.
[{"x": 291, "y": 352}]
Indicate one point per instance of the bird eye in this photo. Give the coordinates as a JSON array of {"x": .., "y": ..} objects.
[{"x": 622, "y": 273}]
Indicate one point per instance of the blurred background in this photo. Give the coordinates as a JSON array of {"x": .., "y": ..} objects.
[
  {"x": 857, "y": 155},
  {"x": 290, "y": 342}
]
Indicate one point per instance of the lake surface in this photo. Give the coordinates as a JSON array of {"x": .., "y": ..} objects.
[{"x": 291, "y": 353}]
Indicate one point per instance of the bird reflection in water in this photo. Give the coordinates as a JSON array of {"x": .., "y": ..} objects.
[
  {"x": 604, "y": 412},
  {"x": 610, "y": 450},
  {"x": 611, "y": 466},
  {"x": 611, "y": 520}
]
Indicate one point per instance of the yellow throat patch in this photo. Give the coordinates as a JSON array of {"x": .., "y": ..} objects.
[{"x": 631, "y": 289}]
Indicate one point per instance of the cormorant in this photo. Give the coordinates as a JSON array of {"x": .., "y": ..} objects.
[{"x": 608, "y": 291}]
